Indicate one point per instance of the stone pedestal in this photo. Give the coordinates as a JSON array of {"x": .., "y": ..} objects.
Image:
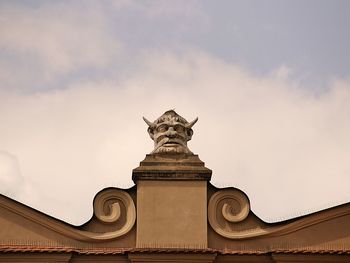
[{"x": 171, "y": 202}]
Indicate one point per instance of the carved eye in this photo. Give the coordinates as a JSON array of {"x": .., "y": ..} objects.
[
  {"x": 179, "y": 128},
  {"x": 162, "y": 128}
]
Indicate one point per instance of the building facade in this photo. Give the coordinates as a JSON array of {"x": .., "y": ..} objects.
[{"x": 172, "y": 214}]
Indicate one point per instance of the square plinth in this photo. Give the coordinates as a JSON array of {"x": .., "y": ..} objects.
[{"x": 171, "y": 214}]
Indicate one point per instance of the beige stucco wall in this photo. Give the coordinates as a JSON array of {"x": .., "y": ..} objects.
[{"x": 172, "y": 214}]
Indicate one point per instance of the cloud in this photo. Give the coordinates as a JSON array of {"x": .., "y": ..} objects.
[
  {"x": 286, "y": 147},
  {"x": 13, "y": 184},
  {"x": 9, "y": 173},
  {"x": 45, "y": 46},
  {"x": 52, "y": 41}
]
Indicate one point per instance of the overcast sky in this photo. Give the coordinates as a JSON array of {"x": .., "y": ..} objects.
[{"x": 269, "y": 81}]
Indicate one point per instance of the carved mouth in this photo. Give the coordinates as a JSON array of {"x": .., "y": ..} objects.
[{"x": 171, "y": 143}]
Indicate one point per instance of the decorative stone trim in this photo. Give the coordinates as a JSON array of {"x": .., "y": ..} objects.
[
  {"x": 227, "y": 205},
  {"x": 107, "y": 208},
  {"x": 173, "y": 167},
  {"x": 193, "y": 258},
  {"x": 228, "y": 209},
  {"x": 113, "y": 199}
]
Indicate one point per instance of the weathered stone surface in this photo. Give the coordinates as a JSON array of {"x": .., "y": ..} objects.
[
  {"x": 171, "y": 214},
  {"x": 171, "y": 167},
  {"x": 170, "y": 133}
]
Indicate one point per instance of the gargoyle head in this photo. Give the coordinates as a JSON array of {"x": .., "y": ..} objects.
[{"x": 170, "y": 133}]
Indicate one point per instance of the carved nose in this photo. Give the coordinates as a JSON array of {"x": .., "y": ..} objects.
[{"x": 171, "y": 132}]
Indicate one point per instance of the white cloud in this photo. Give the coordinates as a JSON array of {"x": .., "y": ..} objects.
[
  {"x": 283, "y": 72},
  {"x": 51, "y": 40},
  {"x": 12, "y": 182},
  {"x": 286, "y": 148},
  {"x": 9, "y": 173}
]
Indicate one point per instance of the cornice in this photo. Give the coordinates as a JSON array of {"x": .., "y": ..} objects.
[
  {"x": 232, "y": 207},
  {"x": 112, "y": 198}
]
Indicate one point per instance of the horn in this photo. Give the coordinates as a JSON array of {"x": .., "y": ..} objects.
[
  {"x": 189, "y": 125},
  {"x": 150, "y": 124}
]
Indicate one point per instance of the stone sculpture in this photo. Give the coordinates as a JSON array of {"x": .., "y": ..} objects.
[{"x": 170, "y": 133}]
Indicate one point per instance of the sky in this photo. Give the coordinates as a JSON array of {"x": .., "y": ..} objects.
[{"x": 268, "y": 80}]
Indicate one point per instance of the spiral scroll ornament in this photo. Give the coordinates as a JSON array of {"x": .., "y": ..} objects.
[
  {"x": 227, "y": 207},
  {"x": 111, "y": 205}
]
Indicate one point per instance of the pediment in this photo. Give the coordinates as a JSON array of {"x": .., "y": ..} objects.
[
  {"x": 234, "y": 227},
  {"x": 174, "y": 214},
  {"x": 112, "y": 223}
]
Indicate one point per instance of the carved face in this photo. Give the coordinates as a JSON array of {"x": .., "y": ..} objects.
[{"x": 170, "y": 133}]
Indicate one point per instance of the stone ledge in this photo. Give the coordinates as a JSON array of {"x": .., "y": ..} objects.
[{"x": 171, "y": 167}]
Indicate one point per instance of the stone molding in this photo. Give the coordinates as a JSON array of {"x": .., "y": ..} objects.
[
  {"x": 36, "y": 257},
  {"x": 171, "y": 167},
  {"x": 171, "y": 257},
  {"x": 109, "y": 200},
  {"x": 229, "y": 207},
  {"x": 298, "y": 258}
]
